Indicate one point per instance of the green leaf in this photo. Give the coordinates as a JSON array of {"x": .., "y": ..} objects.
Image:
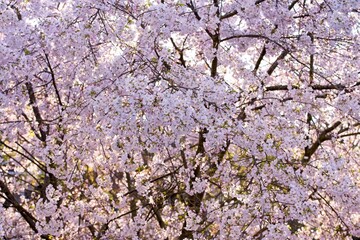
[{"x": 27, "y": 52}]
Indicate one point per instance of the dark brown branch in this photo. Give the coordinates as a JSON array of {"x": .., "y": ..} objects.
[
  {"x": 180, "y": 51},
  {"x": 244, "y": 36},
  {"x": 124, "y": 214},
  {"x": 105, "y": 226},
  {"x": 193, "y": 9},
  {"x": 214, "y": 64},
  {"x": 293, "y": 4},
  {"x": 261, "y": 57},
  {"x": 165, "y": 175},
  {"x": 216, "y": 42},
  {"x": 285, "y": 100},
  {"x": 36, "y": 111},
  {"x": 279, "y": 88},
  {"x": 53, "y": 81},
  {"x": 183, "y": 158},
  {"x": 93, "y": 52},
  {"x": 31, "y": 125},
  {"x": 229, "y": 14},
  {"x": 185, "y": 234},
  {"x": 314, "y": 87},
  {"x": 202, "y": 140},
  {"x": 311, "y": 60},
  {"x": 17, "y": 12},
  {"x": 259, "y": 1},
  {"x": 302, "y": 16},
  {"x": 332, "y": 209},
  {"x": 154, "y": 180},
  {"x": 194, "y": 201},
  {"x": 276, "y": 63},
  {"x": 258, "y": 234},
  {"x": 324, "y": 136},
  {"x": 157, "y": 213},
  {"x": 317, "y": 73},
  {"x": 328, "y": 87},
  {"x": 21, "y": 165},
  {"x": 130, "y": 185},
  {"x": 39, "y": 165},
  {"x": 254, "y": 36},
  {"x": 223, "y": 151},
  {"x": 311, "y": 68},
  {"x": 30, "y": 219},
  {"x": 349, "y": 134},
  {"x": 197, "y": 16}
]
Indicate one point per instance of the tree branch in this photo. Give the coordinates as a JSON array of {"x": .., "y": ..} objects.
[
  {"x": 276, "y": 63},
  {"x": 309, "y": 151},
  {"x": 228, "y": 15},
  {"x": 261, "y": 57},
  {"x": 259, "y": 1},
  {"x": 36, "y": 111},
  {"x": 314, "y": 87},
  {"x": 292, "y": 4},
  {"x": 53, "y": 81},
  {"x": 244, "y": 36},
  {"x": 30, "y": 219}
]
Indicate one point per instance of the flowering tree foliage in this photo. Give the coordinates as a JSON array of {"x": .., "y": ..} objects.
[{"x": 179, "y": 119}]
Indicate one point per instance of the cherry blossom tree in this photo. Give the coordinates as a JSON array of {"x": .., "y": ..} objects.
[{"x": 179, "y": 119}]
